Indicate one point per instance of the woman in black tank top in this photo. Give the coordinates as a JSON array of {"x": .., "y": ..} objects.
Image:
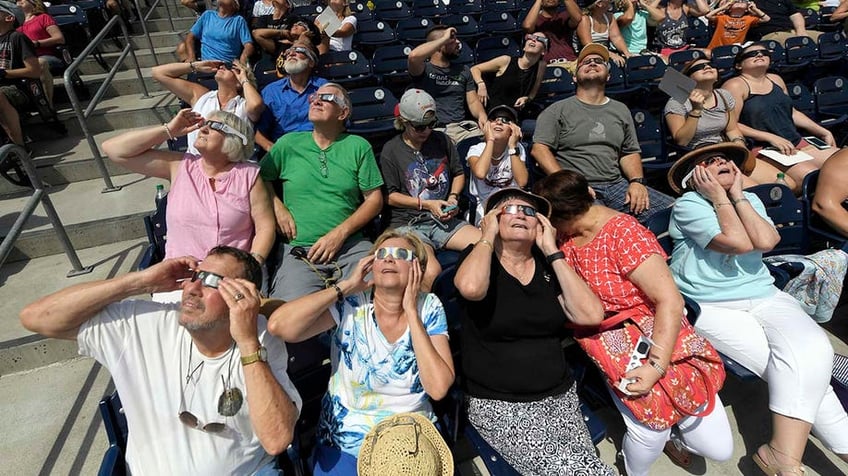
[
  {"x": 513, "y": 82},
  {"x": 766, "y": 115}
]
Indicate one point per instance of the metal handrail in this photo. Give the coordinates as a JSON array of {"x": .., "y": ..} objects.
[
  {"x": 39, "y": 195},
  {"x": 95, "y": 100}
]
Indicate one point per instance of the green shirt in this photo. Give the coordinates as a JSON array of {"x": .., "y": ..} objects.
[{"x": 318, "y": 203}]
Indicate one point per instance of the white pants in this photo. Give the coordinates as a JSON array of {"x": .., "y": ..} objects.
[
  {"x": 708, "y": 436},
  {"x": 773, "y": 338}
]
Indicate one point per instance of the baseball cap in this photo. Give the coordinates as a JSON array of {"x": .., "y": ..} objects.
[
  {"x": 503, "y": 111},
  {"x": 593, "y": 49},
  {"x": 12, "y": 9},
  {"x": 417, "y": 107}
]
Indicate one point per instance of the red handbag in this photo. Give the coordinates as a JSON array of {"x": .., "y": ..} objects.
[{"x": 693, "y": 377}]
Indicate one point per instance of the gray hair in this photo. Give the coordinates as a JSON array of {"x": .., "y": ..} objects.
[
  {"x": 345, "y": 95},
  {"x": 233, "y": 147}
]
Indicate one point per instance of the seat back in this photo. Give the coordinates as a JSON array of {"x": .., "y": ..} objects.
[
  {"x": 373, "y": 33},
  {"x": 466, "y": 7},
  {"x": 723, "y": 57},
  {"x": 825, "y": 24},
  {"x": 699, "y": 34},
  {"x": 650, "y": 138},
  {"x": 832, "y": 45},
  {"x": 73, "y": 23},
  {"x": 349, "y": 68},
  {"x": 466, "y": 55},
  {"x": 465, "y": 24},
  {"x": 831, "y": 95},
  {"x": 310, "y": 11},
  {"x": 309, "y": 368},
  {"x": 817, "y": 226},
  {"x": 391, "y": 67},
  {"x": 557, "y": 84},
  {"x": 800, "y": 50},
  {"x": 644, "y": 71},
  {"x": 802, "y": 99},
  {"x": 498, "y": 23},
  {"x": 678, "y": 59},
  {"x": 392, "y": 10},
  {"x": 156, "y": 226},
  {"x": 500, "y": 6},
  {"x": 431, "y": 9},
  {"x": 413, "y": 30},
  {"x": 373, "y": 111},
  {"x": 115, "y": 423},
  {"x": 658, "y": 224},
  {"x": 787, "y": 214},
  {"x": 492, "y": 47}
]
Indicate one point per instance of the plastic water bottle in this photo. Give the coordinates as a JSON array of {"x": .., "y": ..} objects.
[
  {"x": 781, "y": 178},
  {"x": 160, "y": 194}
]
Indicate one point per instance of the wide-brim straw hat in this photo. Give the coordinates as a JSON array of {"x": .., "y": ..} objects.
[
  {"x": 404, "y": 444},
  {"x": 736, "y": 153},
  {"x": 541, "y": 204}
]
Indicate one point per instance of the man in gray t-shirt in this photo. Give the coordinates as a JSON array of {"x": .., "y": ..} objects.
[
  {"x": 451, "y": 85},
  {"x": 595, "y": 136}
]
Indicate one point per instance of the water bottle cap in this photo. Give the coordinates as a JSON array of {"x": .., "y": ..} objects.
[{"x": 160, "y": 187}]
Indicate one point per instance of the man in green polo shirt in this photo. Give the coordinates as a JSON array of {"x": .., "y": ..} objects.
[{"x": 330, "y": 191}]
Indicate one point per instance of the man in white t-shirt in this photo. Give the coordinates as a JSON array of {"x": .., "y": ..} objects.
[{"x": 203, "y": 385}]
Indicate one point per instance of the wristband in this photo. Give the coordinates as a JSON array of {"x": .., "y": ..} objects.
[
  {"x": 719, "y": 205},
  {"x": 419, "y": 203},
  {"x": 554, "y": 256},
  {"x": 244, "y": 81},
  {"x": 738, "y": 139},
  {"x": 487, "y": 243},
  {"x": 170, "y": 136},
  {"x": 735, "y": 202},
  {"x": 639, "y": 180},
  {"x": 258, "y": 257},
  {"x": 481, "y": 82},
  {"x": 453, "y": 194},
  {"x": 191, "y": 65},
  {"x": 695, "y": 116},
  {"x": 339, "y": 293}
]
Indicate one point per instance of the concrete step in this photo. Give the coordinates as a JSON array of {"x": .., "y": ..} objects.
[
  {"x": 91, "y": 218},
  {"x": 165, "y": 54},
  {"x": 22, "y": 282},
  {"x": 164, "y": 25},
  {"x": 158, "y": 38}
]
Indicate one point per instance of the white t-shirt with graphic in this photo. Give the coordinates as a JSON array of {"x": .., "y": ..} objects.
[
  {"x": 498, "y": 176},
  {"x": 372, "y": 378}
]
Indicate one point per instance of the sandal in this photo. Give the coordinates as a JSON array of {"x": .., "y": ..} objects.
[
  {"x": 677, "y": 453},
  {"x": 775, "y": 468}
]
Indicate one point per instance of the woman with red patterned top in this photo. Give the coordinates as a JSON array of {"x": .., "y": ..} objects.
[{"x": 623, "y": 264}]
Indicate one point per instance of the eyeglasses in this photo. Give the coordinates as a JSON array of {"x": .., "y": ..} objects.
[
  {"x": 502, "y": 120},
  {"x": 297, "y": 49},
  {"x": 716, "y": 159},
  {"x": 402, "y": 254},
  {"x": 328, "y": 277},
  {"x": 327, "y": 97},
  {"x": 514, "y": 209},
  {"x": 322, "y": 157},
  {"x": 422, "y": 127},
  {"x": 699, "y": 67},
  {"x": 754, "y": 54},
  {"x": 598, "y": 61},
  {"x": 207, "y": 279},
  {"x": 541, "y": 39},
  {"x": 225, "y": 129}
]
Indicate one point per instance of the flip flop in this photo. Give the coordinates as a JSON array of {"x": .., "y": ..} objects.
[{"x": 677, "y": 453}]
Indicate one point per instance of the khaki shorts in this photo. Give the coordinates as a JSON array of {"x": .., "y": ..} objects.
[{"x": 16, "y": 97}]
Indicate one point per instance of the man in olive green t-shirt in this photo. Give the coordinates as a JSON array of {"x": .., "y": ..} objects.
[{"x": 330, "y": 190}]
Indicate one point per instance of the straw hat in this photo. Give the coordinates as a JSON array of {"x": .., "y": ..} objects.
[
  {"x": 736, "y": 153},
  {"x": 404, "y": 444}
]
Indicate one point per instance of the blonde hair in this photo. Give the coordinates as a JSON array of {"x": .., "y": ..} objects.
[
  {"x": 418, "y": 246},
  {"x": 233, "y": 147}
]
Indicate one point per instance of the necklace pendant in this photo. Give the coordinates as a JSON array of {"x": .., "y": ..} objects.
[{"x": 230, "y": 402}]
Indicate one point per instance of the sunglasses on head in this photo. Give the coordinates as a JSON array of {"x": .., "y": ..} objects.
[
  {"x": 401, "y": 254},
  {"x": 328, "y": 97},
  {"x": 207, "y": 279},
  {"x": 699, "y": 67},
  {"x": 527, "y": 210},
  {"x": 598, "y": 61},
  {"x": 716, "y": 159},
  {"x": 541, "y": 39},
  {"x": 422, "y": 127},
  {"x": 225, "y": 129},
  {"x": 754, "y": 54}
]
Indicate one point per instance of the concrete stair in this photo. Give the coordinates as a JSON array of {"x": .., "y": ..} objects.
[{"x": 98, "y": 224}]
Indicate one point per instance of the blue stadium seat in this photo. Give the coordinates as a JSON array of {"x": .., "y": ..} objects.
[
  {"x": 678, "y": 59},
  {"x": 413, "y": 30},
  {"x": 557, "y": 84},
  {"x": 800, "y": 52},
  {"x": 510, "y": 6},
  {"x": 831, "y": 94},
  {"x": 649, "y": 133},
  {"x": 373, "y": 113},
  {"x": 432, "y": 9},
  {"x": 351, "y": 69},
  {"x": 466, "y": 26},
  {"x": 699, "y": 34},
  {"x": 818, "y": 228},
  {"x": 644, "y": 71},
  {"x": 156, "y": 228},
  {"x": 723, "y": 58},
  {"x": 466, "y": 55},
  {"x": 787, "y": 214},
  {"x": 492, "y": 47},
  {"x": 499, "y": 23},
  {"x": 466, "y": 7},
  {"x": 307, "y": 11},
  {"x": 832, "y": 47},
  {"x": 373, "y": 33},
  {"x": 115, "y": 424},
  {"x": 392, "y": 10},
  {"x": 825, "y": 24},
  {"x": 390, "y": 65}
]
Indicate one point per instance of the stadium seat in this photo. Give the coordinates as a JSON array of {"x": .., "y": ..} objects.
[
  {"x": 466, "y": 7},
  {"x": 825, "y": 24},
  {"x": 413, "y": 30},
  {"x": 156, "y": 228},
  {"x": 699, "y": 34},
  {"x": 644, "y": 71},
  {"x": 655, "y": 159},
  {"x": 349, "y": 68},
  {"x": 466, "y": 55},
  {"x": 557, "y": 84},
  {"x": 392, "y": 10},
  {"x": 373, "y": 114},
  {"x": 374, "y": 33},
  {"x": 308, "y": 11},
  {"x": 492, "y": 47},
  {"x": 391, "y": 67},
  {"x": 801, "y": 52},
  {"x": 510, "y": 6},
  {"x": 818, "y": 228},
  {"x": 115, "y": 423},
  {"x": 466, "y": 26},
  {"x": 499, "y": 23},
  {"x": 787, "y": 214},
  {"x": 832, "y": 47},
  {"x": 678, "y": 59},
  {"x": 723, "y": 59},
  {"x": 831, "y": 94},
  {"x": 431, "y": 9}
]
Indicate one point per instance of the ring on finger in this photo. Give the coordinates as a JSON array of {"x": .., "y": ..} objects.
[{"x": 238, "y": 296}]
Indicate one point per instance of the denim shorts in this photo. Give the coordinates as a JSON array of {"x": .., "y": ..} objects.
[{"x": 432, "y": 232}]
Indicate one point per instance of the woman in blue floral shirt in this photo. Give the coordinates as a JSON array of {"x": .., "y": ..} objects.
[{"x": 390, "y": 350}]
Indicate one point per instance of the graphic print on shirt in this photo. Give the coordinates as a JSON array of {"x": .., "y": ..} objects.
[
  {"x": 598, "y": 132},
  {"x": 445, "y": 80},
  {"x": 428, "y": 178},
  {"x": 6, "y": 52}
]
